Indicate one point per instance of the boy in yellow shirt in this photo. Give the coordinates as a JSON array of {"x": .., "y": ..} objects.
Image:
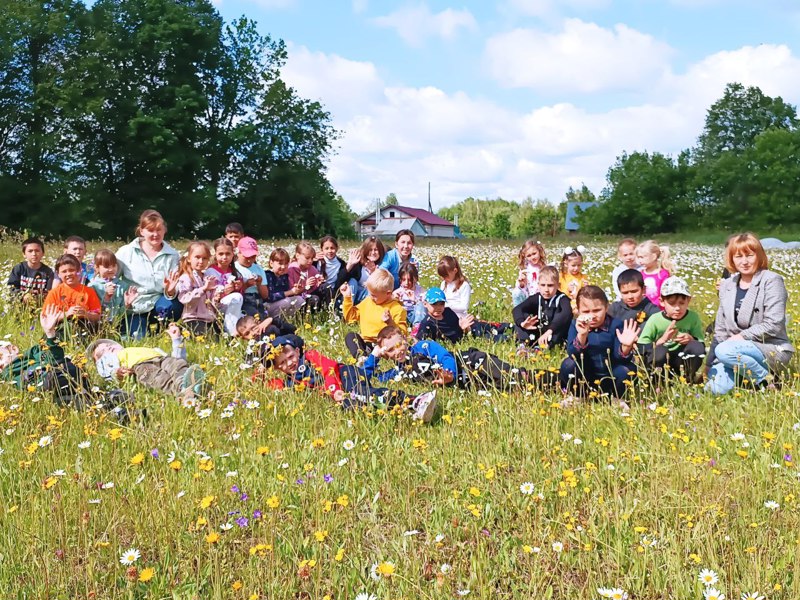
[
  {"x": 375, "y": 312},
  {"x": 151, "y": 367}
]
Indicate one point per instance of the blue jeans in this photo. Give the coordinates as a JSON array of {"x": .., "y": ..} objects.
[
  {"x": 165, "y": 310},
  {"x": 359, "y": 292},
  {"x": 736, "y": 359}
]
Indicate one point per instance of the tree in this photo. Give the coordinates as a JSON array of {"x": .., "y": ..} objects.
[
  {"x": 500, "y": 226},
  {"x": 644, "y": 194},
  {"x": 734, "y": 121}
]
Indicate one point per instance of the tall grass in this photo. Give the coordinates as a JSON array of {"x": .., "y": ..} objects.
[{"x": 339, "y": 504}]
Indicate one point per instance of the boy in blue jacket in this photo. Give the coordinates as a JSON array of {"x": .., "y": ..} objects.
[
  {"x": 427, "y": 360},
  {"x": 599, "y": 348}
]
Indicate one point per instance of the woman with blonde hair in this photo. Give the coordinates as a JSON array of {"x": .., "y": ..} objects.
[
  {"x": 750, "y": 339},
  {"x": 150, "y": 265}
]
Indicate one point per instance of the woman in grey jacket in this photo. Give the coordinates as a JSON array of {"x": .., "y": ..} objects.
[{"x": 750, "y": 330}]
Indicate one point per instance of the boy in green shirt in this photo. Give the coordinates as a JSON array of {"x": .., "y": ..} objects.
[
  {"x": 674, "y": 336},
  {"x": 45, "y": 367}
]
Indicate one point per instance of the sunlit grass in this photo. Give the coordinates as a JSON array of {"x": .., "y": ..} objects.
[{"x": 260, "y": 494}]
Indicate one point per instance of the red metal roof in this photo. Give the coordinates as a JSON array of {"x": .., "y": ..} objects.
[{"x": 428, "y": 218}]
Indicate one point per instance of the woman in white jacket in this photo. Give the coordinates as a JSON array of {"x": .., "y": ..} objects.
[{"x": 150, "y": 265}]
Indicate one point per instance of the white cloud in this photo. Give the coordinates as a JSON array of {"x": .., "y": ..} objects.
[
  {"x": 583, "y": 57},
  {"x": 397, "y": 138},
  {"x": 359, "y": 6},
  {"x": 416, "y": 23},
  {"x": 550, "y": 8}
]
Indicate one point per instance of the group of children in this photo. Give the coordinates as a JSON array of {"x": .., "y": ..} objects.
[{"x": 223, "y": 288}]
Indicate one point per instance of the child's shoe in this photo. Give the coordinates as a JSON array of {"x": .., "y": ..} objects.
[
  {"x": 194, "y": 379},
  {"x": 424, "y": 406}
]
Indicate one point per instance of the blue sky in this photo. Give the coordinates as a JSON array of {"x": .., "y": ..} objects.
[{"x": 518, "y": 98}]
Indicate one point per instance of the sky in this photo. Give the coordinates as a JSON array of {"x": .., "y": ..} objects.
[{"x": 518, "y": 98}]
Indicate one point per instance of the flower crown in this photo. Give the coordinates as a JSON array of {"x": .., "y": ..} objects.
[{"x": 570, "y": 250}]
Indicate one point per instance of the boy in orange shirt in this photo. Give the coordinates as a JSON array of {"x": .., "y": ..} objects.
[
  {"x": 71, "y": 297},
  {"x": 375, "y": 312}
]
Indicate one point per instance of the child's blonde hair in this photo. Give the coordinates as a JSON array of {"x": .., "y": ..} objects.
[
  {"x": 448, "y": 264},
  {"x": 527, "y": 246},
  {"x": 569, "y": 253},
  {"x": 626, "y": 242},
  {"x": 550, "y": 273},
  {"x": 185, "y": 267},
  {"x": 380, "y": 280},
  {"x": 662, "y": 252},
  {"x": 305, "y": 248}
]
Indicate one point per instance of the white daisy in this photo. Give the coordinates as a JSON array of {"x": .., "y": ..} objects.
[
  {"x": 772, "y": 505},
  {"x": 45, "y": 440},
  {"x": 752, "y": 596},
  {"x": 366, "y": 596},
  {"x": 737, "y": 437},
  {"x": 558, "y": 547},
  {"x": 84, "y": 444},
  {"x": 445, "y": 568},
  {"x": 711, "y": 593},
  {"x": 348, "y": 444},
  {"x": 708, "y": 577},
  {"x": 526, "y": 488},
  {"x": 107, "y": 485},
  {"x": 206, "y": 412},
  {"x": 130, "y": 556}
]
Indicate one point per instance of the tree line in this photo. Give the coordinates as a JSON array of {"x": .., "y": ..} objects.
[
  {"x": 743, "y": 173},
  {"x": 108, "y": 109}
]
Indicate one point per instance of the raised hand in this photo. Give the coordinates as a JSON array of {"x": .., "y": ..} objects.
[
  {"x": 50, "y": 318},
  {"x": 174, "y": 332},
  {"x": 386, "y": 317},
  {"x": 345, "y": 290},
  {"x": 629, "y": 334},
  {"x": 466, "y": 322},
  {"x": 530, "y": 323},
  {"x": 171, "y": 282},
  {"x": 130, "y": 296},
  {"x": 209, "y": 284},
  {"x": 354, "y": 258}
]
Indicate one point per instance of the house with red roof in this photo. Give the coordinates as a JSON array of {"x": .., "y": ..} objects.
[{"x": 390, "y": 219}]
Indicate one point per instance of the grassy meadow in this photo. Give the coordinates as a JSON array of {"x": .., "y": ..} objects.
[{"x": 260, "y": 494}]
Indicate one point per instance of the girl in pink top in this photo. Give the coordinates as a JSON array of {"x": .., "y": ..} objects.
[
  {"x": 656, "y": 267},
  {"x": 302, "y": 270},
  {"x": 229, "y": 284},
  {"x": 196, "y": 291}
]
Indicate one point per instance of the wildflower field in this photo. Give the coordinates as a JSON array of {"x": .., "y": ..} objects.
[{"x": 253, "y": 493}]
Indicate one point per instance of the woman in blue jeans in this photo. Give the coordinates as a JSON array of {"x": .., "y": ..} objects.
[
  {"x": 750, "y": 339},
  {"x": 150, "y": 265}
]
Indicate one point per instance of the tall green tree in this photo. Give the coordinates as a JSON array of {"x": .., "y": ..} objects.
[
  {"x": 734, "y": 121},
  {"x": 645, "y": 193}
]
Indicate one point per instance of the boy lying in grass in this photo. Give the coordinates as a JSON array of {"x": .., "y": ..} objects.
[
  {"x": 348, "y": 385},
  {"x": 45, "y": 366},
  {"x": 428, "y": 360},
  {"x": 151, "y": 367}
]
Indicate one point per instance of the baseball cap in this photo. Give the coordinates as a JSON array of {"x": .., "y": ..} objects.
[
  {"x": 434, "y": 295},
  {"x": 674, "y": 285},
  {"x": 247, "y": 246},
  {"x": 271, "y": 350}
]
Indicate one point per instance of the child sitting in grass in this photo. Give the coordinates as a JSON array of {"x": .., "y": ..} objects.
[
  {"x": 410, "y": 293},
  {"x": 626, "y": 254},
  {"x": 31, "y": 279},
  {"x": 71, "y": 297},
  {"x": 543, "y": 319},
  {"x": 441, "y": 322},
  {"x": 116, "y": 296},
  {"x": 373, "y": 313},
  {"x": 251, "y": 328},
  {"x": 600, "y": 350},
  {"x": 634, "y": 304},
  {"x": 45, "y": 367},
  {"x": 150, "y": 367},
  {"x": 426, "y": 360},
  {"x": 675, "y": 335},
  {"x": 347, "y": 385}
]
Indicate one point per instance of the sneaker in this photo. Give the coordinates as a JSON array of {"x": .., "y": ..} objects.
[
  {"x": 424, "y": 406},
  {"x": 193, "y": 380}
]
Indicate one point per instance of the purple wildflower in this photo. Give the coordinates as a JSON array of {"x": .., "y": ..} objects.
[
  {"x": 299, "y": 481},
  {"x": 328, "y": 478},
  {"x": 154, "y": 453},
  {"x": 243, "y": 497},
  {"x": 256, "y": 514},
  {"x": 235, "y": 489},
  {"x": 242, "y": 522}
]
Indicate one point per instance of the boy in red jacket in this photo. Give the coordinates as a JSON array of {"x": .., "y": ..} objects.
[{"x": 349, "y": 386}]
